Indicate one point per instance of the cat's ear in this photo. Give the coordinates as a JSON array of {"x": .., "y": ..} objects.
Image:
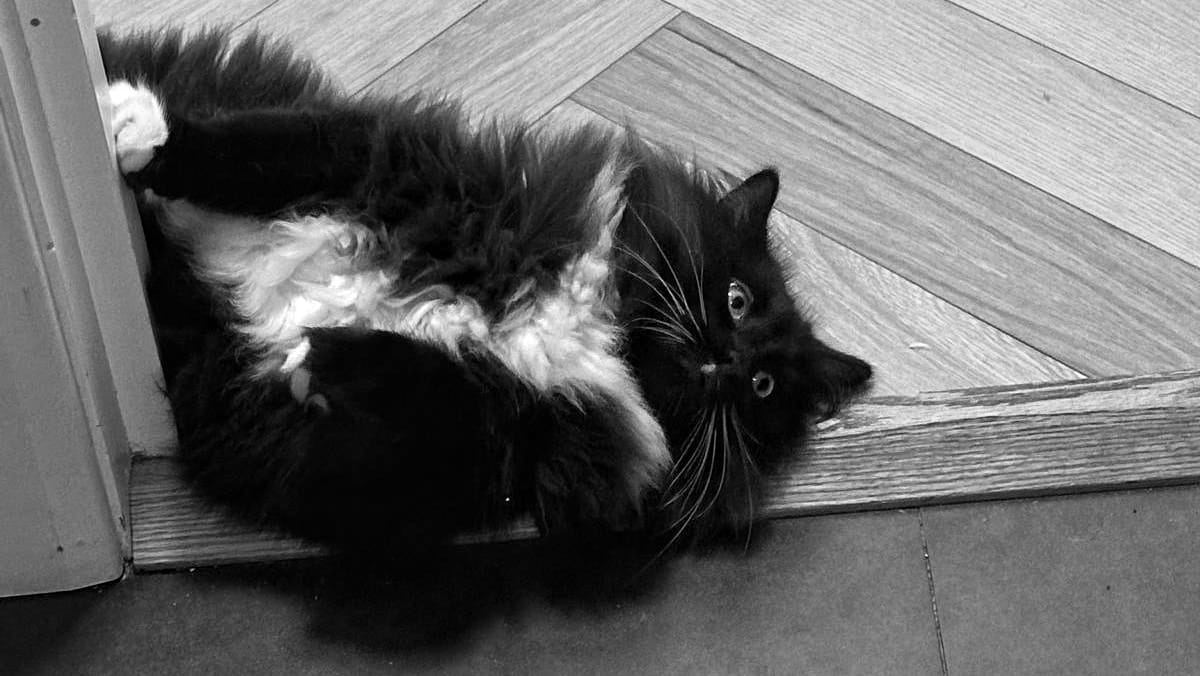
[
  {"x": 839, "y": 376},
  {"x": 751, "y": 201}
]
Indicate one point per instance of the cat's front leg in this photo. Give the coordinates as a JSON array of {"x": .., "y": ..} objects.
[
  {"x": 139, "y": 125},
  {"x": 246, "y": 162}
]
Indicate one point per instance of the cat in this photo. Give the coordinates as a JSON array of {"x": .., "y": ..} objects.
[{"x": 382, "y": 325}]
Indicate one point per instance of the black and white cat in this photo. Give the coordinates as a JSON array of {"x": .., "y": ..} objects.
[{"x": 380, "y": 326}]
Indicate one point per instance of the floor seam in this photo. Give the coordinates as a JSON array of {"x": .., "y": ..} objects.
[{"x": 937, "y": 622}]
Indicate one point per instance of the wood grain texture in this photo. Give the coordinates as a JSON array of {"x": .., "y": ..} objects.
[
  {"x": 173, "y": 526},
  {"x": 522, "y": 57},
  {"x": 1071, "y": 286},
  {"x": 1151, "y": 44},
  {"x": 1103, "y": 146},
  {"x": 915, "y": 340},
  {"x": 139, "y": 14},
  {"x": 357, "y": 42},
  {"x": 885, "y": 452},
  {"x": 1000, "y": 442}
]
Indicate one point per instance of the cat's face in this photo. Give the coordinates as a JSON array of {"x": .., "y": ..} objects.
[{"x": 727, "y": 361}]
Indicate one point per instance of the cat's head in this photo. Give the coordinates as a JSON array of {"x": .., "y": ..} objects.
[{"x": 726, "y": 359}]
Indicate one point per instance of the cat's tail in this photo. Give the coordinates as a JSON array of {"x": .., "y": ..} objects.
[{"x": 208, "y": 70}]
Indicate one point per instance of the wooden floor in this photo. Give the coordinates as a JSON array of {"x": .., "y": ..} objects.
[{"x": 973, "y": 194}]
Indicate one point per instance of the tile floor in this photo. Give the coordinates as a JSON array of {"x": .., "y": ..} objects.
[{"x": 1095, "y": 584}]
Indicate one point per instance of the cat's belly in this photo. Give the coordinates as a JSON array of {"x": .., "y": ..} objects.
[{"x": 284, "y": 277}]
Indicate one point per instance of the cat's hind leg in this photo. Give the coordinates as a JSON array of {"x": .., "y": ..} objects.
[{"x": 412, "y": 435}]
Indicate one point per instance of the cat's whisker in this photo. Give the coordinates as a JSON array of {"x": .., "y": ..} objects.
[
  {"x": 675, "y": 302},
  {"x": 698, "y": 276},
  {"x": 684, "y": 481},
  {"x": 668, "y": 324},
  {"x": 718, "y": 455},
  {"x": 747, "y": 466},
  {"x": 671, "y": 303},
  {"x": 739, "y": 428},
  {"x": 685, "y": 448},
  {"x": 678, "y": 284},
  {"x": 686, "y": 489},
  {"x": 641, "y": 260},
  {"x": 666, "y": 334},
  {"x": 671, "y": 267},
  {"x": 707, "y": 452}
]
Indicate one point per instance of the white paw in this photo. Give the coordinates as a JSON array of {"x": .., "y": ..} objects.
[
  {"x": 300, "y": 378},
  {"x": 139, "y": 124},
  {"x": 299, "y": 384}
]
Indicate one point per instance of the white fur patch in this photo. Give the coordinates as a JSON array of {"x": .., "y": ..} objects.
[
  {"x": 139, "y": 124},
  {"x": 319, "y": 271}
]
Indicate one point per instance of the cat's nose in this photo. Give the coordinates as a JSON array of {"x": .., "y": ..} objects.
[{"x": 717, "y": 370}]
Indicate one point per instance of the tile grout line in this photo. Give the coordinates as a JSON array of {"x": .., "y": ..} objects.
[{"x": 937, "y": 622}]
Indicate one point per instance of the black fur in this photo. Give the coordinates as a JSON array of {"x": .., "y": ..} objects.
[{"x": 413, "y": 444}]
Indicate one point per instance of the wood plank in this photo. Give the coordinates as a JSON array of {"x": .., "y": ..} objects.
[
  {"x": 357, "y": 42},
  {"x": 884, "y": 453},
  {"x": 1000, "y": 442},
  {"x": 1055, "y": 278},
  {"x": 173, "y": 526},
  {"x": 1149, "y": 44},
  {"x": 140, "y": 14},
  {"x": 915, "y": 340},
  {"x": 1098, "y": 144},
  {"x": 522, "y": 57}
]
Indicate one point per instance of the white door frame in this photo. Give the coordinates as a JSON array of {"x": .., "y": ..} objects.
[{"x": 82, "y": 377}]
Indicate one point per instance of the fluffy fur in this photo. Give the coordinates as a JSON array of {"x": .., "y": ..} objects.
[{"x": 379, "y": 326}]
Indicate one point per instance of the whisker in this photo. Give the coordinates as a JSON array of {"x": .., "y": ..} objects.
[
  {"x": 679, "y": 311},
  {"x": 685, "y": 450},
  {"x": 671, "y": 267},
  {"x": 708, "y": 445},
  {"x": 675, "y": 300},
  {"x": 691, "y": 257},
  {"x": 671, "y": 302},
  {"x": 747, "y": 466},
  {"x": 663, "y": 316}
]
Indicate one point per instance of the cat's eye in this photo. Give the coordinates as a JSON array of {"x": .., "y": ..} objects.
[
  {"x": 740, "y": 300},
  {"x": 763, "y": 384}
]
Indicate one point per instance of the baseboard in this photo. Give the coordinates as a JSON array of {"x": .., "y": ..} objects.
[{"x": 885, "y": 452}]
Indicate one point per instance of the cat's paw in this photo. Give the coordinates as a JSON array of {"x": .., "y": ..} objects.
[
  {"x": 139, "y": 124},
  {"x": 300, "y": 379}
]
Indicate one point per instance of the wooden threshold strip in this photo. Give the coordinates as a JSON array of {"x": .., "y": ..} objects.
[{"x": 885, "y": 452}]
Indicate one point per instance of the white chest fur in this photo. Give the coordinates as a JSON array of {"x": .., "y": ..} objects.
[{"x": 318, "y": 271}]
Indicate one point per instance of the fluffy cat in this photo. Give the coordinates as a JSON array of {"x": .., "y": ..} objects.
[{"x": 380, "y": 326}]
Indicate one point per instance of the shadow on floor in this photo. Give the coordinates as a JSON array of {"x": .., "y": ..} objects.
[{"x": 421, "y": 610}]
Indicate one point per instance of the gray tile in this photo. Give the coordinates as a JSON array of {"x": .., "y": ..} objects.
[
  {"x": 825, "y": 595},
  {"x": 832, "y": 595},
  {"x": 1094, "y": 584}
]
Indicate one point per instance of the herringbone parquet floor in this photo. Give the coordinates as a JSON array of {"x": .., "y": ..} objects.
[{"x": 974, "y": 194}]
